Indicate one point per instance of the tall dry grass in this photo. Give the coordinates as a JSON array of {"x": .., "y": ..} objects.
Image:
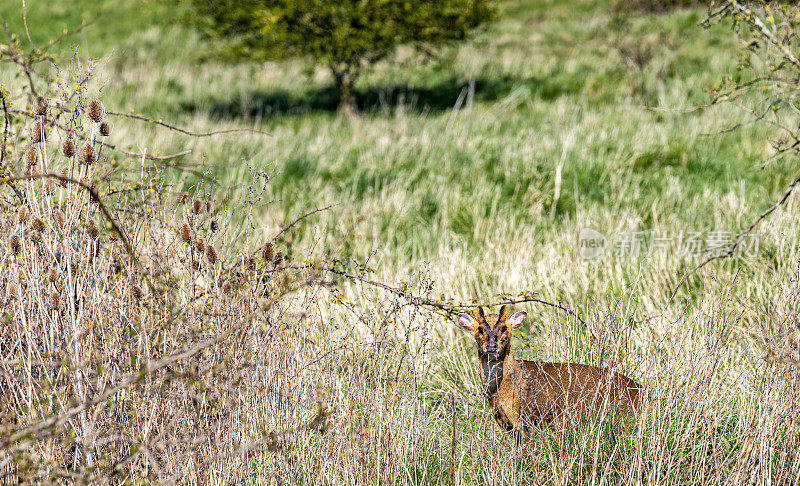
[{"x": 147, "y": 336}]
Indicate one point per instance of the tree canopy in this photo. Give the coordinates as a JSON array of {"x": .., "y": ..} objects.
[{"x": 345, "y": 36}]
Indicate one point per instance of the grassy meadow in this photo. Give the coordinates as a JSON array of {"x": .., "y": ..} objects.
[{"x": 467, "y": 176}]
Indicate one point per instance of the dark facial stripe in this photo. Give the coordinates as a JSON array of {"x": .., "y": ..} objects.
[
  {"x": 503, "y": 314},
  {"x": 482, "y": 315}
]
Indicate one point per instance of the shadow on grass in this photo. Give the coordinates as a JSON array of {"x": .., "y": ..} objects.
[{"x": 441, "y": 97}]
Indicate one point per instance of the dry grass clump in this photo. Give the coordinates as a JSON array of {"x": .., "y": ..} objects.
[
  {"x": 145, "y": 337},
  {"x": 120, "y": 353}
]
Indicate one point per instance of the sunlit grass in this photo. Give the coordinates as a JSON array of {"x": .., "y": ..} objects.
[{"x": 451, "y": 171}]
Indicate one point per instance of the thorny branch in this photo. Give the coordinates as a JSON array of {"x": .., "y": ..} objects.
[{"x": 447, "y": 308}]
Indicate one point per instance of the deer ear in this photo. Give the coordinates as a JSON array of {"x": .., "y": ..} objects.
[
  {"x": 517, "y": 320},
  {"x": 467, "y": 322}
]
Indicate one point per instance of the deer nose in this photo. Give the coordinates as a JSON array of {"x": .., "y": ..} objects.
[{"x": 491, "y": 347}]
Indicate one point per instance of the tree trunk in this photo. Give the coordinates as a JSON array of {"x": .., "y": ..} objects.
[{"x": 345, "y": 83}]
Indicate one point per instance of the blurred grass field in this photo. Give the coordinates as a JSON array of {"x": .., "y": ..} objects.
[
  {"x": 451, "y": 171},
  {"x": 452, "y": 166}
]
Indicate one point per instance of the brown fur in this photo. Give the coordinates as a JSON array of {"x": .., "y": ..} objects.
[{"x": 526, "y": 393}]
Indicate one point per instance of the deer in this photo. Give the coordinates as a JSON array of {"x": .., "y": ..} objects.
[{"x": 525, "y": 395}]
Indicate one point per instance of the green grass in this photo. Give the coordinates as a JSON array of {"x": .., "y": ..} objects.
[{"x": 472, "y": 189}]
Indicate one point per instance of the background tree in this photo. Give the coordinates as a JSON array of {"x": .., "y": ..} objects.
[{"x": 346, "y": 36}]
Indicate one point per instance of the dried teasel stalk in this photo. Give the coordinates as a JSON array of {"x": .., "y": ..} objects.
[
  {"x": 31, "y": 156},
  {"x": 91, "y": 228},
  {"x": 38, "y": 132},
  {"x": 38, "y": 225},
  {"x": 268, "y": 252},
  {"x": 211, "y": 254},
  {"x": 60, "y": 219},
  {"x": 14, "y": 244},
  {"x": 65, "y": 174},
  {"x": 95, "y": 111},
  {"x": 86, "y": 155},
  {"x": 186, "y": 233},
  {"x": 12, "y": 291},
  {"x": 41, "y": 107},
  {"x": 55, "y": 301},
  {"x": 68, "y": 148},
  {"x": 23, "y": 216}
]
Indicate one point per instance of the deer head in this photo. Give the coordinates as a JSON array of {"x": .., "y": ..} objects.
[{"x": 492, "y": 332}]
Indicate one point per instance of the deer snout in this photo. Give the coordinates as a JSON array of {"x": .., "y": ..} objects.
[{"x": 491, "y": 344}]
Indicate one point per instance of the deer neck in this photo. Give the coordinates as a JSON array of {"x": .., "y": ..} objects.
[{"x": 493, "y": 369}]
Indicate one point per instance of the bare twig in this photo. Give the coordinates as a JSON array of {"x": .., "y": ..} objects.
[
  {"x": 106, "y": 144},
  {"x": 3, "y": 168},
  {"x": 447, "y": 308},
  {"x": 68, "y": 33},
  {"x": 310, "y": 213},
  {"x": 183, "y": 131},
  {"x": 732, "y": 249}
]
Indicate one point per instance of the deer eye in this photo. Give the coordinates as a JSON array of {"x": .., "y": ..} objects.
[
  {"x": 503, "y": 329},
  {"x": 480, "y": 330}
]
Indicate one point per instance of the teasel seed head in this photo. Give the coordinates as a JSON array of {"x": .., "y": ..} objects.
[
  {"x": 197, "y": 206},
  {"x": 38, "y": 132},
  {"x": 91, "y": 228},
  {"x": 95, "y": 111},
  {"x": 38, "y": 224},
  {"x": 49, "y": 187},
  {"x": 227, "y": 288},
  {"x": 250, "y": 264},
  {"x": 22, "y": 216},
  {"x": 14, "y": 244},
  {"x": 41, "y": 107},
  {"x": 209, "y": 206},
  {"x": 214, "y": 226},
  {"x": 211, "y": 254},
  {"x": 86, "y": 155},
  {"x": 60, "y": 219},
  {"x": 136, "y": 293},
  {"x": 68, "y": 148},
  {"x": 113, "y": 235},
  {"x": 184, "y": 198},
  {"x": 52, "y": 275},
  {"x": 73, "y": 268},
  {"x": 105, "y": 129},
  {"x": 35, "y": 236},
  {"x": 22, "y": 276},
  {"x": 268, "y": 252},
  {"x": 55, "y": 300},
  {"x": 12, "y": 291},
  {"x": 186, "y": 233},
  {"x": 200, "y": 245},
  {"x": 64, "y": 173},
  {"x": 278, "y": 258},
  {"x": 31, "y": 156}
]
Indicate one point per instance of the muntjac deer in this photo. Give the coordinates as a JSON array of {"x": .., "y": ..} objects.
[{"x": 525, "y": 393}]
